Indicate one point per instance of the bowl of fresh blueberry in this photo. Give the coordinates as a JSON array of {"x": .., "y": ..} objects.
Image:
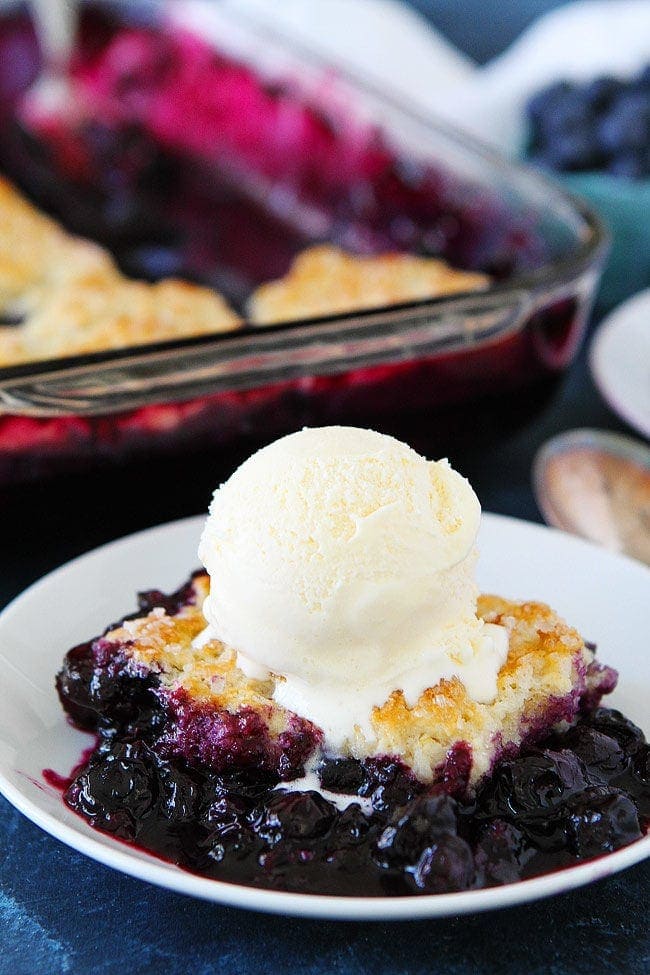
[{"x": 596, "y": 134}]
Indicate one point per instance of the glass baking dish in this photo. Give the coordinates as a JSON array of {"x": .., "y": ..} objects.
[{"x": 543, "y": 249}]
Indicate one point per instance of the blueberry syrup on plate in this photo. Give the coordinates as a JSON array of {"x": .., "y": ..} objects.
[
  {"x": 575, "y": 795},
  {"x": 63, "y": 782}
]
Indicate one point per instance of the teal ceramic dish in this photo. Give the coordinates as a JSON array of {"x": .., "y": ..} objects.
[{"x": 624, "y": 206}]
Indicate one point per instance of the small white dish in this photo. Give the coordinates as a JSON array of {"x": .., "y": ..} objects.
[
  {"x": 596, "y": 484},
  {"x": 605, "y": 595},
  {"x": 620, "y": 361}
]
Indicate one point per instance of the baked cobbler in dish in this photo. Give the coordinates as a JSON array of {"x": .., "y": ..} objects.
[
  {"x": 326, "y": 741},
  {"x": 61, "y": 295},
  {"x": 265, "y": 166}
]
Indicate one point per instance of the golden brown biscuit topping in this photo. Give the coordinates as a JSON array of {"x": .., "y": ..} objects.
[
  {"x": 547, "y": 662},
  {"x": 72, "y": 299},
  {"x": 325, "y": 280}
]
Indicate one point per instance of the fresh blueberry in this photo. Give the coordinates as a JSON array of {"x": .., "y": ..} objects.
[
  {"x": 626, "y": 125},
  {"x": 547, "y": 101},
  {"x": 600, "y": 92},
  {"x": 155, "y": 261},
  {"x": 630, "y": 164},
  {"x": 576, "y": 149},
  {"x": 602, "y": 124}
]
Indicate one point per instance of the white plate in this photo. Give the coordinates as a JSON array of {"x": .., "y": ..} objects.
[
  {"x": 620, "y": 361},
  {"x": 604, "y": 595}
]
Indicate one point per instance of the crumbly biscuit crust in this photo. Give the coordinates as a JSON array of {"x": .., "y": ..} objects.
[
  {"x": 325, "y": 280},
  {"x": 72, "y": 299}
]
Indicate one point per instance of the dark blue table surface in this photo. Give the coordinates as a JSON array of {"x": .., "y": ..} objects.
[{"x": 60, "y": 912}]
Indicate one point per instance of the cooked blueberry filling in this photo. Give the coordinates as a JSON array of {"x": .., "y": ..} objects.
[
  {"x": 205, "y": 789},
  {"x": 546, "y": 809},
  {"x": 171, "y": 603}
]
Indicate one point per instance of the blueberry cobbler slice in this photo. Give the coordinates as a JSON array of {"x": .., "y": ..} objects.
[{"x": 377, "y": 729}]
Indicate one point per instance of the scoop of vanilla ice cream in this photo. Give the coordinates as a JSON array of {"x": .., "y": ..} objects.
[{"x": 342, "y": 563}]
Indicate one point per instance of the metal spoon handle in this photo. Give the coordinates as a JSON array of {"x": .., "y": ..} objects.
[{"x": 56, "y": 25}]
